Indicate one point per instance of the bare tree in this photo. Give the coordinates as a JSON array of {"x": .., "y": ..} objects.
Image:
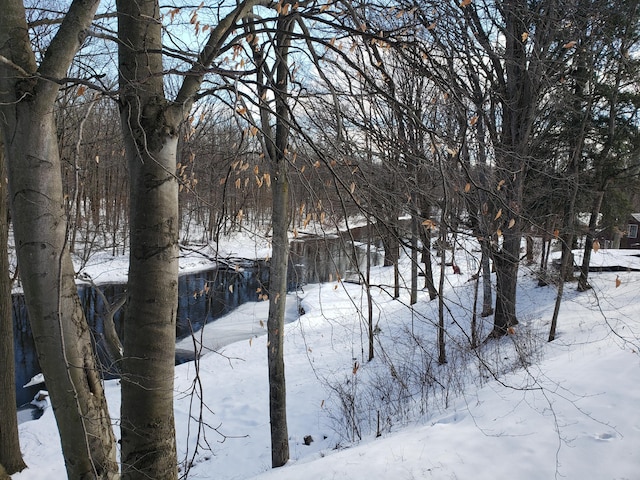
[
  {"x": 10, "y": 455},
  {"x": 151, "y": 124},
  {"x": 150, "y": 131},
  {"x": 272, "y": 81},
  {"x": 614, "y": 125},
  {"x": 61, "y": 334},
  {"x": 485, "y": 56}
]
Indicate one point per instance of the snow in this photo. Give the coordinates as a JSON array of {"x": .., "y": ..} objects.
[
  {"x": 629, "y": 259},
  {"x": 41, "y": 400},
  {"x": 35, "y": 380},
  {"x": 515, "y": 408}
]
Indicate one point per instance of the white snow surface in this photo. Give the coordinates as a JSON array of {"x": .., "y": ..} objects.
[
  {"x": 569, "y": 409},
  {"x": 35, "y": 380}
]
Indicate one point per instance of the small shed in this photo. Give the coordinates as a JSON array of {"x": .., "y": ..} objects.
[{"x": 631, "y": 237}]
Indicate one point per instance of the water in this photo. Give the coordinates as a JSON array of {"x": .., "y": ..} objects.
[{"x": 203, "y": 297}]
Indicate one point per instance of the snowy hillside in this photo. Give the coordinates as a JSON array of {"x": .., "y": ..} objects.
[{"x": 514, "y": 408}]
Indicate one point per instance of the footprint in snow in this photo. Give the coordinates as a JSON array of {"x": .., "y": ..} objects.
[{"x": 606, "y": 436}]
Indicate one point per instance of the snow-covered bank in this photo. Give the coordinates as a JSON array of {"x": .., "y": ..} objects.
[{"x": 571, "y": 413}]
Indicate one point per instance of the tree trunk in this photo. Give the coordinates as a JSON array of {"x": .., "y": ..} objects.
[
  {"x": 517, "y": 119},
  {"x": 276, "y": 146},
  {"x": 565, "y": 267},
  {"x": 150, "y": 133},
  {"x": 583, "y": 281},
  {"x": 566, "y": 261},
  {"x": 474, "y": 312},
  {"x": 60, "y": 331},
  {"x": 483, "y": 224},
  {"x": 442, "y": 352},
  {"x": 428, "y": 267},
  {"x": 529, "y": 240},
  {"x": 391, "y": 245},
  {"x": 618, "y": 232},
  {"x": 150, "y": 125},
  {"x": 487, "y": 295},
  {"x": 425, "y": 234},
  {"x": 275, "y": 322},
  {"x": 543, "y": 276},
  {"x": 147, "y": 421},
  {"x": 506, "y": 262},
  {"x": 368, "y": 291},
  {"x": 414, "y": 259},
  {"x": 10, "y": 455}
]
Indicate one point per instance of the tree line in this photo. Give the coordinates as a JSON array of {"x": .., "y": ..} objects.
[{"x": 140, "y": 127}]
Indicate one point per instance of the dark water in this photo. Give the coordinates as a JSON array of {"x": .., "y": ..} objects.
[{"x": 203, "y": 296}]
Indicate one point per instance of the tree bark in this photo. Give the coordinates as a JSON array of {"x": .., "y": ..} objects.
[
  {"x": 147, "y": 421},
  {"x": 425, "y": 234},
  {"x": 276, "y": 144},
  {"x": 275, "y": 322},
  {"x": 150, "y": 133},
  {"x": 60, "y": 331},
  {"x": 442, "y": 352},
  {"x": 518, "y": 102},
  {"x": 487, "y": 294},
  {"x": 428, "y": 266},
  {"x": 368, "y": 291},
  {"x": 483, "y": 223},
  {"x": 414, "y": 259},
  {"x": 443, "y": 230},
  {"x": 506, "y": 262},
  {"x": 150, "y": 125},
  {"x": 583, "y": 281},
  {"x": 10, "y": 455},
  {"x": 391, "y": 245},
  {"x": 567, "y": 257},
  {"x": 474, "y": 312}
]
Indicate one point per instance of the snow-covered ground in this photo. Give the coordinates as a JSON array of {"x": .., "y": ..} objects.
[{"x": 517, "y": 408}]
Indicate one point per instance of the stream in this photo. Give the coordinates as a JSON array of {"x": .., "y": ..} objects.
[{"x": 204, "y": 296}]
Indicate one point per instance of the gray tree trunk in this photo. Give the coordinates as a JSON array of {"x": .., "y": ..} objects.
[
  {"x": 60, "y": 331},
  {"x": 566, "y": 267},
  {"x": 483, "y": 223},
  {"x": 506, "y": 262},
  {"x": 275, "y": 322},
  {"x": 617, "y": 236},
  {"x": 518, "y": 105},
  {"x": 487, "y": 295},
  {"x": 368, "y": 291},
  {"x": 429, "y": 284},
  {"x": 414, "y": 258},
  {"x": 583, "y": 281},
  {"x": 147, "y": 421},
  {"x": 150, "y": 125},
  {"x": 276, "y": 147},
  {"x": 425, "y": 235},
  {"x": 150, "y": 133},
  {"x": 10, "y": 455},
  {"x": 442, "y": 351}
]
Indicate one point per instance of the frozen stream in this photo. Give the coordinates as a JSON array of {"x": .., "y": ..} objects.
[{"x": 224, "y": 298}]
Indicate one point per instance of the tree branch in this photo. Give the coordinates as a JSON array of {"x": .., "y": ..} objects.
[
  {"x": 185, "y": 98},
  {"x": 5, "y": 61}
]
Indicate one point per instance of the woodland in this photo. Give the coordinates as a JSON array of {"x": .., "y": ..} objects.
[{"x": 140, "y": 129}]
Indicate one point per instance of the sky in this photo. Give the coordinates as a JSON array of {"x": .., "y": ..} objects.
[{"x": 518, "y": 407}]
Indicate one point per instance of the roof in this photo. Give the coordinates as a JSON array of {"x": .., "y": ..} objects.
[{"x": 636, "y": 217}]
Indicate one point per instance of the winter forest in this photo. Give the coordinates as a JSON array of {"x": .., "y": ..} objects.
[{"x": 424, "y": 202}]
